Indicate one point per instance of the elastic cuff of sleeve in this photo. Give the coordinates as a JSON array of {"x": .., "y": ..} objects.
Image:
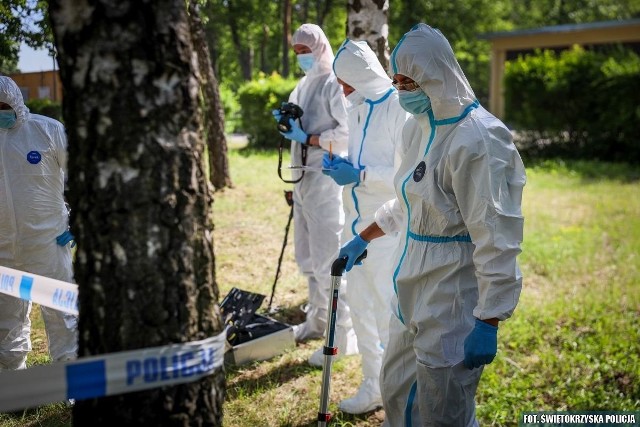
[
  {"x": 361, "y": 240},
  {"x": 486, "y": 326}
]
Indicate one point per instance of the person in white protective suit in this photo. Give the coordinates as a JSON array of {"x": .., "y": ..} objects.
[
  {"x": 317, "y": 199},
  {"x": 375, "y": 120},
  {"x": 458, "y": 208},
  {"x": 34, "y": 235}
]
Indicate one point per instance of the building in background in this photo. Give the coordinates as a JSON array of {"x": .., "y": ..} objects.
[{"x": 39, "y": 85}]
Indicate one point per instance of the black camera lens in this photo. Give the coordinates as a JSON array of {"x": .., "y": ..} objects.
[
  {"x": 288, "y": 111},
  {"x": 283, "y": 124}
]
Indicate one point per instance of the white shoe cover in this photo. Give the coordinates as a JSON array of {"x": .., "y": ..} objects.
[
  {"x": 307, "y": 330},
  {"x": 346, "y": 342},
  {"x": 366, "y": 399}
]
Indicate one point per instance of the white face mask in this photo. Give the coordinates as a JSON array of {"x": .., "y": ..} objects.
[
  {"x": 7, "y": 119},
  {"x": 354, "y": 99},
  {"x": 306, "y": 61},
  {"x": 415, "y": 102}
]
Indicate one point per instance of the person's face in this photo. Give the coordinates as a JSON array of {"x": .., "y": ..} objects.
[
  {"x": 299, "y": 49},
  {"x": 402, "y": 82},
  {"x": 348, "y": 90},
  {"x": 5, "y": 106}
]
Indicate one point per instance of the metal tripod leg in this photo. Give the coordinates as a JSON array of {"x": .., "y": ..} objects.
[{"x": 329, "y": 350}]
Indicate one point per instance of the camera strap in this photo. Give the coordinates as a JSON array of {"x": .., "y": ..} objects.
[{"x": 303, "y": 155}]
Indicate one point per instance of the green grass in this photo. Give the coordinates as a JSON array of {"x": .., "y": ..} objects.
[{"x": 572, "y": 344}]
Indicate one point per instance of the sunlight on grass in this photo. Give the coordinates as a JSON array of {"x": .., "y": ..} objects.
[{"x": 572, "y": 344}]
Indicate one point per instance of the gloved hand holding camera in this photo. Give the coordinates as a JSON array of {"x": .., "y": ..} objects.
[
  {"x": 286, "y": 116},
  {"x": 296, "y": 133}
]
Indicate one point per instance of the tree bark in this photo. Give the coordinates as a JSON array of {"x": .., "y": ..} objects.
[
  {"x": 367, "y": 20},
  {"x": 245, "y": 55},
  {"x": 140, "y": 201},
  {"x": 286, "y": 37},
  {"x": 211, "y": 103},
  {"x": 322, "y": 10}
]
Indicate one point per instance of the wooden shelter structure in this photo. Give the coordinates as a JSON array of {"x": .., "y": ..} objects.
[{"x": 508, "y": 45}]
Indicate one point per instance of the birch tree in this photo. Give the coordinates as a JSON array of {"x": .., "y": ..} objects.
[
  {"x": 139, "y": 196},
  {"x": 367, "y": 20}
]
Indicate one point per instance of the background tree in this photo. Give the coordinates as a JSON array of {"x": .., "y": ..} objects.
[
  {"x": 461, "y": 23},
  {"x": 22, "y": 21},
  {"x": 140, "y": 199},
  {"x": 286, "y": 36},
  {"x": 252, "y": 19},
  {"x": 213, "y": 113},
  {"x": 367, "y": 20}
]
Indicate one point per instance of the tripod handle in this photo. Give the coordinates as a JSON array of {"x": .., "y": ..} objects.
[{"x": 338, "y": 266}]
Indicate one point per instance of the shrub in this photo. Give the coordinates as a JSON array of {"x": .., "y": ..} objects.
[
  {"x": 231, "y": 109},
  {"x": 257, "y": 99},
  {"x": 576, "y": 103},
  {"x": 46, "y": 107}
]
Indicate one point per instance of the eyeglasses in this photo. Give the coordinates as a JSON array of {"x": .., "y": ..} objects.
[{"x": 409, "y": 86}]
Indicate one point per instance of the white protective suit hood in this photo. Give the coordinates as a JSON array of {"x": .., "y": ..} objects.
[
  {"x": 10, "y": 94},
  {"x": 313, "y": 37},
  {"x": 357, "y": 65},
  {"x": 425, "y": 55}
]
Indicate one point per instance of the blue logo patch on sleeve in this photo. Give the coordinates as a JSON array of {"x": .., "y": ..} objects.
[{"x": 34, "y": 157}]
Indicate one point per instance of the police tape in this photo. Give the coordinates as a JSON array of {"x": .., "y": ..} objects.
[
  {"x": 111, "y": 374},
  {"x": 52, "y": 293}
]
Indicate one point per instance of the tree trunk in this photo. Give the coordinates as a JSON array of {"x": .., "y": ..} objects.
[
  {"x": 322, "y": 10},
  {"x": 213, "y": 116},
  {"x": 286, "y": 37},
  {"x": 367, "y": 20},
  {"x": 245, "y": 55},
  {"x": 140, "y": 201}
]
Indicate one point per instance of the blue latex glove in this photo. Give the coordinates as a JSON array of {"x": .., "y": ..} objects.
[
  {"x": 276, "y": 114},
  {"x": 295, "y": 134},
  {"x": 334, "y": 161},
  {"x": 481, "y": 345},
  {"x": 343, "y": 173},
  {"x": 352, "y": 250},
  {"x": 65, "y": 238}
]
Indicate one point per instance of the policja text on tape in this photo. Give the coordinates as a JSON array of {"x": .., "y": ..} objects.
[
  {"x": 42, "y": 290},
  {"x": 111, "y": 374}
]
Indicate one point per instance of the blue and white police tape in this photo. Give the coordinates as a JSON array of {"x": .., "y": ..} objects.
[
  {"x": 52, "y": 293},
  {"x": 111, "y": 374}
]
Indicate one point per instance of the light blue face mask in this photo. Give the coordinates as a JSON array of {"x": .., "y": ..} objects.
[
  {"x": 415, "y": 102},
  {"x": 7, "y": 119},
  {"x": 306, "y": 61}
]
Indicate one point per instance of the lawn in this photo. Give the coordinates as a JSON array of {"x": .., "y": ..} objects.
[{"x": 572, "y": 344}]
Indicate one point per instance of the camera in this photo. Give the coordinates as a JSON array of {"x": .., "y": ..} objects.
[{"x": 288, "y": 111}]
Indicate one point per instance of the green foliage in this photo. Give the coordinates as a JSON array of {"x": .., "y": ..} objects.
[
  {"x": 22, "y": 21},
  {"x": 249, "y": 34},
  {"x": 257, "y": 99},
  {"x": 583, "y": 103},
  {"x": 573, "y": 342},
  {"x": 540, "y": 13},
  {"x": 231, "y": 108},
  {"x": 46, "y": 107}
]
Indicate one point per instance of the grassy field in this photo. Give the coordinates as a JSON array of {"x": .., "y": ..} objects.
[{"x": 572, "y": 344}]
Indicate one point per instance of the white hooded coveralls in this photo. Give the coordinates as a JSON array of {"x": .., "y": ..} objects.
[
  {"x": 33, "y": 213},
  {"x": 458, "y": 207},
  {"x": 375, "y": 120},
  {"x": 318, "y": 216}
]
